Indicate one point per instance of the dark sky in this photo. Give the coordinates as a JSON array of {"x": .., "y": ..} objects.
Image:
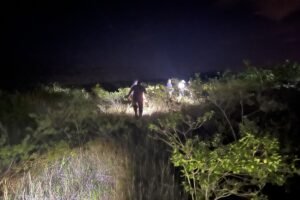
[{"x": 89, "y": 41}]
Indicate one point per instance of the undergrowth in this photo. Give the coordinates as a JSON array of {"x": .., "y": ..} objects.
[{"x": 68, "y": 143}]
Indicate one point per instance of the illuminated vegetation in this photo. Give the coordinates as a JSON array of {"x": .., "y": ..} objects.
[{"x": 232, "y": 135}]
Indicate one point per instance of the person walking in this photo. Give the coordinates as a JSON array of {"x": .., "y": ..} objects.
[
  {"x": 181, "y": 88},
  {"x": 137, "y": 92},
  {"x": 170, "y": 88}
]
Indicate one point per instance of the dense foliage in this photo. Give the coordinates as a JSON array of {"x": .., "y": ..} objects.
[
  {"x": 241, "y": 138},
  {"x": 231, "y": 135}
]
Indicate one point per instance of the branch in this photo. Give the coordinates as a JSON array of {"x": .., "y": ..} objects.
[{"x": 226, "y": 117}]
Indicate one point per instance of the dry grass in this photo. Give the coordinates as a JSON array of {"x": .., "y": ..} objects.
[
  {"x": 93, "y": 172},
  {"x": 106, "y": 169}
]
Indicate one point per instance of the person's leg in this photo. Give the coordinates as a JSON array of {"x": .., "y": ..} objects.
[
  {"x": 140, "y": 103},
  {"x": 135, "y": 107},
  {"x": 180, "y": 95}
]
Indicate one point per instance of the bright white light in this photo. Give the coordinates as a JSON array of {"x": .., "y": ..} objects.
[{"x": 181, "y": 84}]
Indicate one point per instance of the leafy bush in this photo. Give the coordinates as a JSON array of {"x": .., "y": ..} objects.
[
  {"x": 212, "y": 169},
  {"x": 236, "y": 146},
  {"x": 112, "y": 102}
]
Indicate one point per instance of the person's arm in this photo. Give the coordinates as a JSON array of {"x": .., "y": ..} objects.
[{"x": 129, "y": 93}]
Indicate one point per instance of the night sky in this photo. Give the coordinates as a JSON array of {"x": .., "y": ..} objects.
[{"x": 95, "y": 41}]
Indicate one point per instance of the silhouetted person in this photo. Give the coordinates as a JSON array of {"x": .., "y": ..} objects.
[
  {"x": 182, "y": 88},
  {"x": 137, "y": 98},
  {"x": 170, "y": 88}
]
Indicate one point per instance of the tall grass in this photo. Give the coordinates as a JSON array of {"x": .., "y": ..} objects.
[
  {"x": 119, "y": 162},
  {"x": 152, "y": 175},
  {"x": 108, "y": 154},
  {"x": 125, "y": 165}
]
